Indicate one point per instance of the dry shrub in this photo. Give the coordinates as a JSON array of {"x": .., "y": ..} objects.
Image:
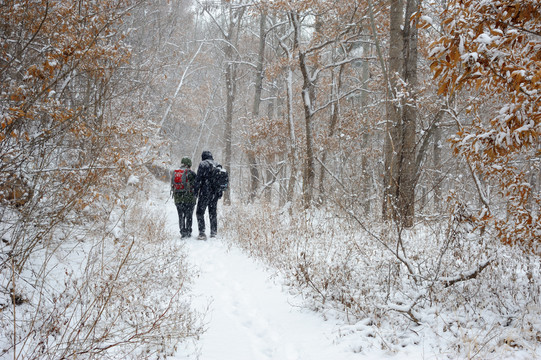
[
  {"x": 447, "y": 281},
  {"x": 114, "y": 290}
]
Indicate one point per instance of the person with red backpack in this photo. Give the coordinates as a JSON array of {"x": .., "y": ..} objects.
[{"x": 182, "y": 189}]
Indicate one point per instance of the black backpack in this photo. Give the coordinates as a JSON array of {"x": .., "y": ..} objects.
[{"x": 218, "y": 176}]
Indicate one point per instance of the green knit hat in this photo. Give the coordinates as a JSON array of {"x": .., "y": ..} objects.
[{"x": 186, "y": 161}]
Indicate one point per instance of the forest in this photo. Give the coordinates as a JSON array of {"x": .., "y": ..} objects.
[{"x": 384, "y": 158}]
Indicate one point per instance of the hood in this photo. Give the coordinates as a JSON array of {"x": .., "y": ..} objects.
[{"x": 206, "y": 155}]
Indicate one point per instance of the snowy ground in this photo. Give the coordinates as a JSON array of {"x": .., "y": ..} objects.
[{"x": 250, "y": 316}]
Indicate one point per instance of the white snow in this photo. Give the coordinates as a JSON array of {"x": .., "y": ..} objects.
[
  {"x": 427, "y": 19},
  {"x": 485, "y": 39},
  {"x": 250, "y": 316},
  {"x": 133, "y": 180}
]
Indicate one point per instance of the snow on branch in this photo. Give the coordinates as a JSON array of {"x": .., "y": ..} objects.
[
  {"x": 466, "y": 275},
  {"x": 407, "y": 309}
]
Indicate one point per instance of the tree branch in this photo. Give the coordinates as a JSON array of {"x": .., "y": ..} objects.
[{"x": 468, "y": 275}]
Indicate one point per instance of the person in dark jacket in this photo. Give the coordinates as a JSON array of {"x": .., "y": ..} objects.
[
  {"x": 207, "y": 195},
  {"x": 185, "y": 198}
]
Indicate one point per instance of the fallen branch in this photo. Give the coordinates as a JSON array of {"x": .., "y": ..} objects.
[{"x": 468, "y": 275}]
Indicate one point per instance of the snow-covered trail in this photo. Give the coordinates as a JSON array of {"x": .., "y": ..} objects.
[{"x": 250, "y": 317}]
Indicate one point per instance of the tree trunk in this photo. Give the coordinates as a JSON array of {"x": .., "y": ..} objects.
[
  {"x": 270, "y": 177},
  {"x": 437, "y": 169},
  {"x": 230, "y": 99},
  {"x": 335, "y": 110},
  {"x": 254, "y": 173},
  {"x": 231, "y": 41},
  {"x": 392, "y": 143},
  {"x": 406, "y": 194},
  {"x": 365, "y": 140},
  {"x": 292, "y": 139},
  {"x": 400, "y": 142},
  {"x": 309, "y": 173}
]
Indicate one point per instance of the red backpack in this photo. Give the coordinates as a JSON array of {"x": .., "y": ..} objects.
[{"x": 179, "y": 180}]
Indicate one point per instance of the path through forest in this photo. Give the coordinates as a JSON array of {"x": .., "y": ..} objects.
[{"x": 250, "y": 317}]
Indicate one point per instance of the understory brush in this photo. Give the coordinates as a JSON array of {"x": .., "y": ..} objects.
[
  {"x": 445, "y": 287},
  {"x": 107, "y": 284}
]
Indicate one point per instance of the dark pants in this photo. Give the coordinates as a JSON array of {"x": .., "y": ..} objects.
[
  {"x": 185, "y": 216},
  {"x": 212, "y": 203}
]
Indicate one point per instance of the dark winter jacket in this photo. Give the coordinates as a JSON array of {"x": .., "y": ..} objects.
[
  {"x": 203, "y": 182},
  {"x": 188, "y": 196}
]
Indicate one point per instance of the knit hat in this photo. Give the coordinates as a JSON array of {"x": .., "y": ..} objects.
[{"x": 186, "y": 161}]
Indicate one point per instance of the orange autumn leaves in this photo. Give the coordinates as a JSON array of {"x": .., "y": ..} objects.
[
  {"x": 56, "y": 62},
  {"x": 492, "y": 51},
  {"x": 43, "y": 45}
]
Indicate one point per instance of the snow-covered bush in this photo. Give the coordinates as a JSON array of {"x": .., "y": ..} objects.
[
  {"x": 449, "y": 283},
  {"x": 111, "y": 285}
]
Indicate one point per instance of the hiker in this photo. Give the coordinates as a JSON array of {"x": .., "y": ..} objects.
[
  {"x": 182, "y": 187},
  {"x": 208, "y": 190}
]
